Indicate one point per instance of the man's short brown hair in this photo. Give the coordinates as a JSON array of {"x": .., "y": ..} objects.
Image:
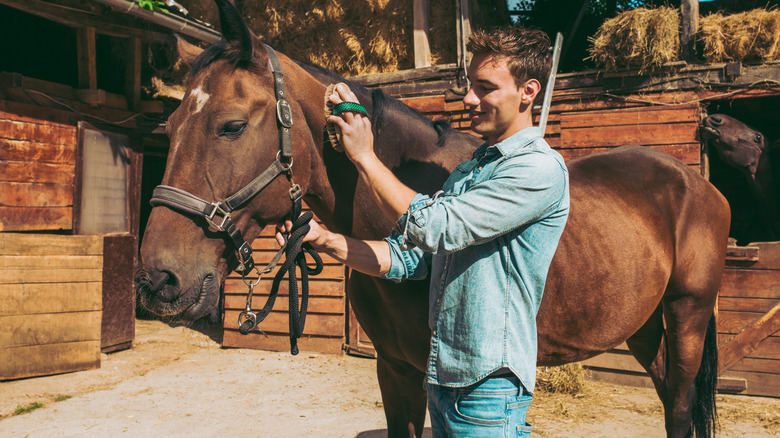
[{"x": 527, "y": 50}]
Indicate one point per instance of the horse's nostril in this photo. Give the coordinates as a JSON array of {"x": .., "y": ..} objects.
[
  {"x": 159, "y": 279},
  {"x": 715, "y": 120}
]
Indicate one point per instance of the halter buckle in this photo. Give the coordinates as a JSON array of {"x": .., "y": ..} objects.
[
  {"x": 216, "y": 213},
  {"x": 284, "y": 113}
]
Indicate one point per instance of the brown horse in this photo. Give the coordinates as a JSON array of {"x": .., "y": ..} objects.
[{"x": 640, "y": 259}]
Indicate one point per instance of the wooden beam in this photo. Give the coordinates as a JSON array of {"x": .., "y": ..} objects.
[
  {"x": 87, "y": 57},
  {"x": 689, "y": 27},
  {"x": 422, "y": 48},
  {"x": 740, "y": 345},
  {"x": 133, "y": 74}
]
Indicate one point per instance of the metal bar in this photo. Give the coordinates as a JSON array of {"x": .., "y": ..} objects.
[{"x": 551, "y": 82}]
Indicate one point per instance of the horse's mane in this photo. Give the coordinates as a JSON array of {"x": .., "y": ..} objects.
[{"x": 381, "y": 103}]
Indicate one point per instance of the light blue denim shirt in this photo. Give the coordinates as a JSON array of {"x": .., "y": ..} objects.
[{"x": 487, "y": 238}]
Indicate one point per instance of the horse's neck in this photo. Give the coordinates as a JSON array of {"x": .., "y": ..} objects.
[{"x": 406, "y": 143}]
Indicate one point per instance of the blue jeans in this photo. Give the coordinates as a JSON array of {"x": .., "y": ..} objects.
[{"x": 492, "y": 407}]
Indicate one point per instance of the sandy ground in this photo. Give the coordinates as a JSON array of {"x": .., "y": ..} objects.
[{"x": 178, "y": 382}]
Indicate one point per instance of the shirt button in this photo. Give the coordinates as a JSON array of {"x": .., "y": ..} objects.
[{"x": 434, "y": 333}]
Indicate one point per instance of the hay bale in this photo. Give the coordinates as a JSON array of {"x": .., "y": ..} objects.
[
  {"x": 350, "y": 37},
  {"x": 752, "y": 36},
  {"x": 564, "y": 379},
  {"x": 640, "y": 38}
]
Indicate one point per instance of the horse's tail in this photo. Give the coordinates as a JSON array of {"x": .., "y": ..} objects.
[{"x": 704, "y": 411}]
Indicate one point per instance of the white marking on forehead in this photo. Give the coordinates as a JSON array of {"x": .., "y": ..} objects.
[{"x": 201, "y": 97}]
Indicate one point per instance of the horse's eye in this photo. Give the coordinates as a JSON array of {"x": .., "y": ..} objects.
[
  {"x": 232, "y": 129},
  {"x": 758, "y": 137}
]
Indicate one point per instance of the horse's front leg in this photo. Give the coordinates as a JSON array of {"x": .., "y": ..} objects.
[{"x": 403, "y": 397}]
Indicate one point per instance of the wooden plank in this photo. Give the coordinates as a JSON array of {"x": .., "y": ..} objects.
[
  {"x": 748, "y": 339},
  {"x": 41, "y": 360},
  {"x": 316, "y": 288},
  {"x": 750, "y": 283},
  {"x": 133, "y": 73},
  {"x": 758, "y": 384},
  {"x": 616, "y": 361},
  {"x": 42, "y": 133},
  {"x": 632, "y": 116},
  {"x": 422, "y": 49},
  {"x": 769, "y": 348},
  {"x": 743, "y": 304},
  {"x": 51, "y": 262},
  {"x": 278, "y": 322},
  {"x": 730, "y": 322},
  {"x": 736, "y": 253},
  {"x": 768, "y": 258},
  {"x": 25, "y": 171},
  {"x": 274, "y": 342},
  {"x": 14, "y": 194},
  {"x": 643, "y": 135},
  {"x": 35, "y": 218},
  {"x": 118, "y": 292},
  {"x": 37, "y": 298},
  {"x": 21, "y": 112},
  {"x": 323, "y": 305},
  {"x": 86, "y": 57},
  {"x": 754, "y": 365},
  {"x": 687, "y": 153},
  {"x": 49, "y": 328},
  {"x": 50, "y": 276},
  {"x": 23, "y": 150},
  {"x": 619, "y": 377},
  {"x": 426, "y": 104}
]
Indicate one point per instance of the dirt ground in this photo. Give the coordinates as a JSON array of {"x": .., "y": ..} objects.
[{"x": 178, "y": 382}]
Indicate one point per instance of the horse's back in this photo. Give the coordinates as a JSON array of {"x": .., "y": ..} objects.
[{"x": 639, "y": 220}]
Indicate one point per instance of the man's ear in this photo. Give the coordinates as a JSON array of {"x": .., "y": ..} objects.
[
  {"x": 530, "y": 89},
  {"x": 187, "y": 52}
]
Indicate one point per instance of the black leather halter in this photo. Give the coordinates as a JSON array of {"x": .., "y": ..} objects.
[{"x": 217, "y": 214}]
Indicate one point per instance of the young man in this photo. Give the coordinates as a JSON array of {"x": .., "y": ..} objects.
[{"x": 486, "y": 239}]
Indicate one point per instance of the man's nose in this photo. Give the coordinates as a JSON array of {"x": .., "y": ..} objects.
[{"x": 470, "y": 99}]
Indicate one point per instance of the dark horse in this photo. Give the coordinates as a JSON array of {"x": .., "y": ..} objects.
[{"x": 640, "y": 260}]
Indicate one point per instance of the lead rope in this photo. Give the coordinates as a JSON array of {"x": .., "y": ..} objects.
[{"x": 295, "y": 251}]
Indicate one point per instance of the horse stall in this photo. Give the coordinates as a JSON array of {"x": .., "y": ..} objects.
[{"x": 73, "y": 136}]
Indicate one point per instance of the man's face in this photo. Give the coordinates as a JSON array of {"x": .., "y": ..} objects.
[{"x": 494, "y": 100}]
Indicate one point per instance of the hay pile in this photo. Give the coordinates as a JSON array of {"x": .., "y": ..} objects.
[
  {"x": 351, "y": 37},
  {"x": 564, "y": 379},
  {"x": 640, "y": 38},
  {"x": 752, "y": 36}
]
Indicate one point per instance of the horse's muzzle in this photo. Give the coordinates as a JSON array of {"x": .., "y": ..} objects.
[{"x": 161, "y": 293}]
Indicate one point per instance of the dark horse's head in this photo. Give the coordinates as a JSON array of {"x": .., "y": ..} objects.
[
  {"x": 222, "y": 136},
  {"x": 737, "y": 144}
]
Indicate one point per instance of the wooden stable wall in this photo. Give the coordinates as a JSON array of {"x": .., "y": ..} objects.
[
  {"x": 325, "y": 322},
  {"x": 50, "y": 304},
  {"x": 37, "y": 162}
]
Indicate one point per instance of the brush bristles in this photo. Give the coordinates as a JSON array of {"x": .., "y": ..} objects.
[{"x": 330, "y": 129}]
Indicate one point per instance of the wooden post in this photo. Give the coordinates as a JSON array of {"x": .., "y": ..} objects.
[
  {"x": 133, "y": 74},
  {"x": 463, "y": 25},
  {"x": 690, "y": 25},
  {"x": 422, "y": 48},
  {"x": 87, "y": 60}
]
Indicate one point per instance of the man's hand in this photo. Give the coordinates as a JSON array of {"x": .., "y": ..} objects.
[
  {"x": 317, "y": 236},
  {"x": 356, "y": 135}
]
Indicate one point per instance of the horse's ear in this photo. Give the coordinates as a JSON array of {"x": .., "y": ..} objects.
[
  {"x": 235, "y": 31},
  {"x": 187, "y": 52}
]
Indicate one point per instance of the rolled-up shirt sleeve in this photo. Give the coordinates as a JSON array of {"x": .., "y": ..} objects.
[
  {"x": 406, "y": 264},
  {"x": 521, "y": 190}
]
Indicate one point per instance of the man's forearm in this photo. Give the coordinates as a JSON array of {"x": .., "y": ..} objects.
[
  {"x": 392, "y": 196},
  {"x": 369, "y": 257}
]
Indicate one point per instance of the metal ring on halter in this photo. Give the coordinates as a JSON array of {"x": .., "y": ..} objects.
[
  {"x": 249, "y": 283},
  {"x": 285, "y": 166}
]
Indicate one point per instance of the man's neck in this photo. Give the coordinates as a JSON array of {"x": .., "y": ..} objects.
[{"x": 522, "y": 123}]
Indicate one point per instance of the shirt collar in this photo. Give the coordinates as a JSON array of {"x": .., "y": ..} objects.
[{"x": 510, "y": 145}]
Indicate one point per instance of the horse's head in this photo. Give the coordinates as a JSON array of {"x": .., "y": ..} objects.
[
  {"x": 737, "y": 144},
  {"x": 223, "y": 135}
]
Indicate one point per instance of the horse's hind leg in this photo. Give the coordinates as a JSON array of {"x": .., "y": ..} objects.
[
  {"x": 648, "y": 345},
  {"x": 403, "y": 397}
]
